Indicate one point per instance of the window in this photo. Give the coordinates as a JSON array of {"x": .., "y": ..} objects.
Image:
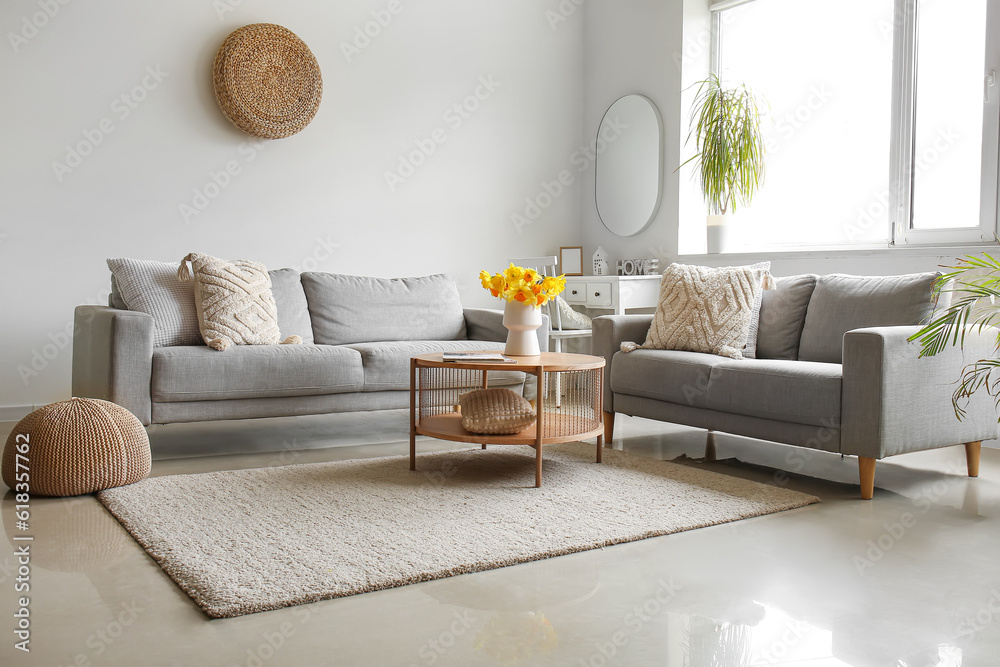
[{"x": 882, "y": 123}]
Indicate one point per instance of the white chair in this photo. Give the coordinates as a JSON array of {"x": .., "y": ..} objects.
[{"x": 546, "y": 266}]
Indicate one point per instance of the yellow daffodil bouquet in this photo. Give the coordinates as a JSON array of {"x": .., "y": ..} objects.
[{"x": 526, "y": 286}]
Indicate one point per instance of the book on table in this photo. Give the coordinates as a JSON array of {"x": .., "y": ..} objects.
[{"x": 489, "y": 357}]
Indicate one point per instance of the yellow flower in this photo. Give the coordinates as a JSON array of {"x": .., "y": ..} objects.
[{"x": 523, "y": 285}]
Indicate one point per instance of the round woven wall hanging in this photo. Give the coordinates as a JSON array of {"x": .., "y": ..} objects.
[{"x": 267, "y": 81}]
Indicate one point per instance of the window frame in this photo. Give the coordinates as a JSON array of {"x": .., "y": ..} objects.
[{"x": 903, "y": 125}]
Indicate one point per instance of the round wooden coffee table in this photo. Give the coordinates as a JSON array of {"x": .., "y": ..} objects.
[{"x": 436, "y": 386}]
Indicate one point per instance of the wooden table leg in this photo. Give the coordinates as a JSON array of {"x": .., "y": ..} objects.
[
  {"x": 539, "y": 428},
  {"x": 600, "y": 447},
  {"x": 413, "y": 414}
]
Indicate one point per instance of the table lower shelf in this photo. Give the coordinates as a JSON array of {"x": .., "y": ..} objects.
[{"x": 557, "y": 428}]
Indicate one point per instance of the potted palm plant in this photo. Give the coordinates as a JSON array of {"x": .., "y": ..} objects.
[
  {"x": 974, "y": 286},
  {"x": 729, "y": 151}
]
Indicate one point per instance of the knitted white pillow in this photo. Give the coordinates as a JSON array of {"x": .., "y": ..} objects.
[
  {"x": 570, "y": 318},
  {"x": 234, "y": 302},
  {"x": 704, "y": 309}
]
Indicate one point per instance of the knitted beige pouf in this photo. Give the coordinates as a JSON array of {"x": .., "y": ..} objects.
[{"x": 77, "y": 446}]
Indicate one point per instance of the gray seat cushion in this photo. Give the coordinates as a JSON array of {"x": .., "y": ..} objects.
[
  {"x": 387, "y": 364},
  {"x": 841, "y": 303},
  {"x": 668, "y": 375},
  {"x": 189, "y": 373},
  {"x": 782, "y": 315},
  {"x": 357, "y": 309},
  {"x": 290, "y": 300},
  {"x": 801, "y": 392}
]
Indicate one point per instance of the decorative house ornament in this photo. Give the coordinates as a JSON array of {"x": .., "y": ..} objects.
[
  {"x": 601, "y": 265},
  {"x": 267, "y": 81}
]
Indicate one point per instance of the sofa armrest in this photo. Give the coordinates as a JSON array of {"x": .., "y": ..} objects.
[
  {"x": 113, "y": 357},
  {"x": 895, "y": 402},
  {"x": 487, "y": 324},
  {"x": 610, "y": 331}
]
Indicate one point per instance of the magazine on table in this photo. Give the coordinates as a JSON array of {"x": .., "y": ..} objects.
[{"x": 492, "y": 357}]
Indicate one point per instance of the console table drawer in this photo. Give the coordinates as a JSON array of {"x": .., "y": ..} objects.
[
  {"x": 575, "y": 293},
  {"x": 599, "y": 295}
]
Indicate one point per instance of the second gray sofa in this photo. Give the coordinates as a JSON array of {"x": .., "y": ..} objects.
[{"x": 834, "y": 372}]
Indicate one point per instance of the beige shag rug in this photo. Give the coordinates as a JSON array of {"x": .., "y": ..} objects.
[{"x": 244, "y": 541}]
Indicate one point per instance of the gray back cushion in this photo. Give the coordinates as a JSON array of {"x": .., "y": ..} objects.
[
  {"x": 782, "y": 314},
  {"x": 841, "y": 303},
  {"x": 358, "y": 309},
  {"x": 293, "y": 309}
]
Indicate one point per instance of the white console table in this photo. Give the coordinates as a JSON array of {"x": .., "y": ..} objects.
[{"x": 616, "y": 293}]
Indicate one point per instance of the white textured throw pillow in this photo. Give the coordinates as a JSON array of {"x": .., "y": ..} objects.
[
  {"x": 153, "y": 288},
  {"x": 750, "y": 349},
  {"x": 234, "y": 302},
  {"x": 571, "y": 319},
  {"x": 704, "y": 309}
]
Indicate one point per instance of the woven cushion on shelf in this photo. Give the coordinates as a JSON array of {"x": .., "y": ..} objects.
[
  {"x": 495, "y": 411},
  {"x": 77, "y": 446}
]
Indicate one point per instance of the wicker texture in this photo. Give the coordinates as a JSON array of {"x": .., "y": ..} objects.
[
  {"x": 79, "y": 446},
  {"x": 267, "y": 81},
  {"x": 495, "y": 411}
]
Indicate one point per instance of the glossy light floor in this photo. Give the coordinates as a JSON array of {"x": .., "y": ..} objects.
[{"x": 910, "y": 579}]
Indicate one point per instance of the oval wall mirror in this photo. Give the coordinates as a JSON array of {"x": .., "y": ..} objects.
[{"x": 629, "y": 166}]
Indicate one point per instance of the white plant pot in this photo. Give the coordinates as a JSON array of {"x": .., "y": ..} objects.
[
  {"x": 522, "y": 321},
  {"x": 718, "y": 233}
]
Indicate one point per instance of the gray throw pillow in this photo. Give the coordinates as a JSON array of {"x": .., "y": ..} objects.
[
  {"x": 841, "y": 303},
  {"x": 782, "y": 315},
  {"x": 290, "y": 299},
  {"x": 358, "y": 309},
  {"x": 153, "y": 288}
]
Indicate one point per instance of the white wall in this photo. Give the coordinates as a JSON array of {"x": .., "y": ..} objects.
[{"x": 317, "y": 200}]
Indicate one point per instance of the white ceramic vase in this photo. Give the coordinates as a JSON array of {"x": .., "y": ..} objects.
[
  {"x": 522, "y": 321},
  {"x": 718, "y": 233}
]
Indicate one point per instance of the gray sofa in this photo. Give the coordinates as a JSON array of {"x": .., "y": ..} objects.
[
  {"x": 834, "y": 372},
  {"x": 358, "y": 336}
]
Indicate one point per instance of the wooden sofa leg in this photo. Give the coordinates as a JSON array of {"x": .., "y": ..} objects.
[
  {"x": 609, "y": 428},
  {"x": 866, "y": 466},
  {"x": 972, "y": 452}
]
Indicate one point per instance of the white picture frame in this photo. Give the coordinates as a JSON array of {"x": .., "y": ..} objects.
[{"x": 571, "y": 260}]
